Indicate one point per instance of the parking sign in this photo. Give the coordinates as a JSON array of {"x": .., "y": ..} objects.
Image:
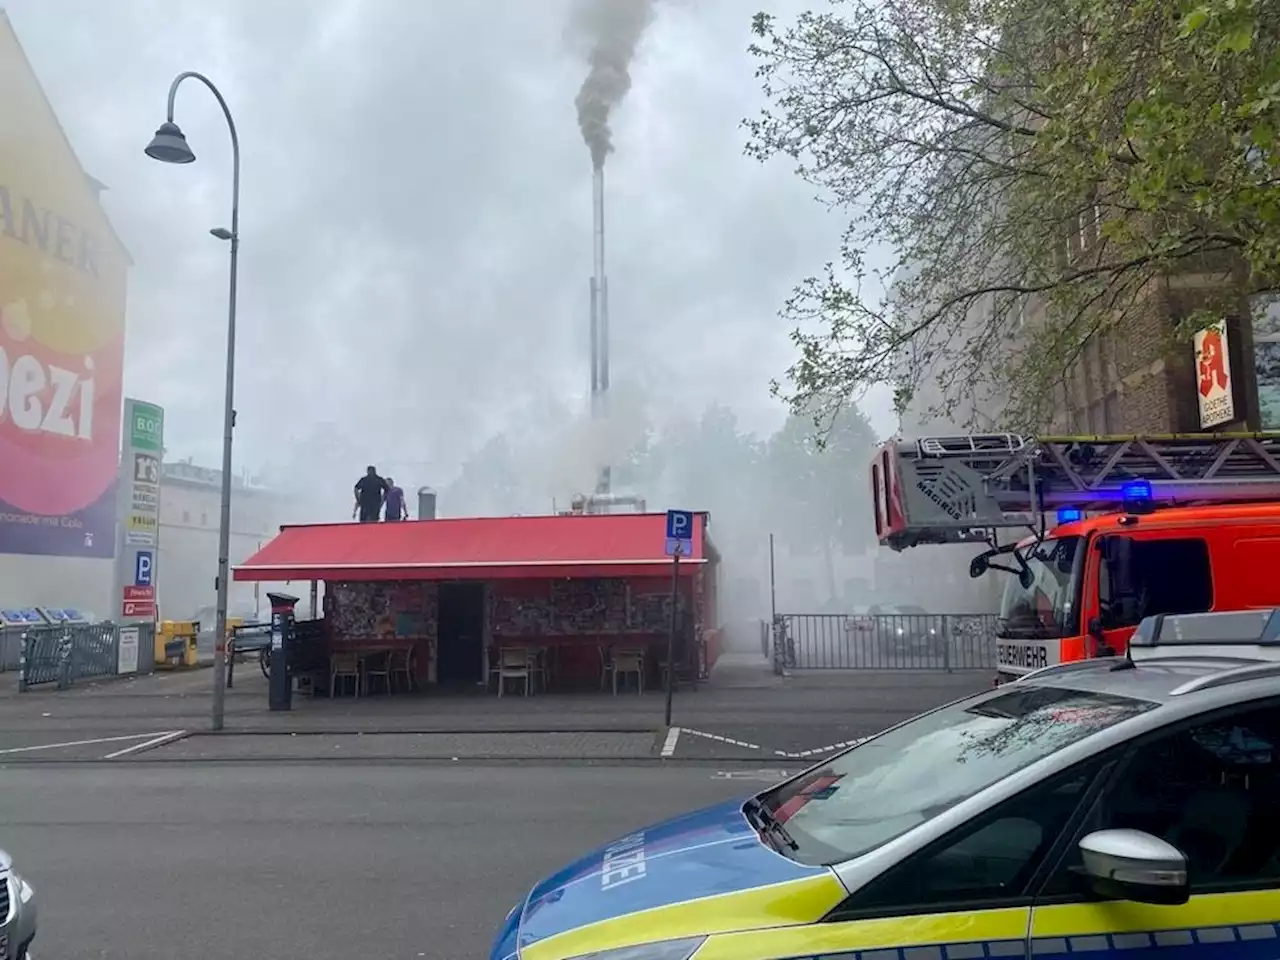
[
  {"x": 142, "y": 569},
  {"x": 679, "y": 533}
]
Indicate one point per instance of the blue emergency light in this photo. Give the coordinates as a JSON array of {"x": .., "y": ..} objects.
[
  {"x": 1136, "y": 491},
  {"x": 1070, "y": 514}
]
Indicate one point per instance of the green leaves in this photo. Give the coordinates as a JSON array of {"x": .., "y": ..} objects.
[
  {"x": 1193, "y": 21},
  {"x": 1005, "y": 159}
]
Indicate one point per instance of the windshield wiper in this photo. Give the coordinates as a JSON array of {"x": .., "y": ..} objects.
[{"x": 764, "y": 821}]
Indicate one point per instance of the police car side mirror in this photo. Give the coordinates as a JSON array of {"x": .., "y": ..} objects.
[{"x": 1133, "y": 865}]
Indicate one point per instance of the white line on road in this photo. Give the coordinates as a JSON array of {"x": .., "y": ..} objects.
[
  {"x": 720, "y": 739},
  {"x": 767, "y": 776},
  {"x": 673, "y": 737},
  {"x": 158, "y": 741},
  {"x": 819, "y": 751},
  {"x": 79, "y": 743}
]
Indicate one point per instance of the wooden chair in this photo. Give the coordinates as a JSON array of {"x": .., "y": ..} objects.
[
  {"x": 513, "y": 664},
  {"x": 538, "y": 666},
  {"x": 344, "y": 666},
  {"x": 377, "y": 666},
  {"x": 403, "y": 662},
  {"x": 626, "y": 662}
]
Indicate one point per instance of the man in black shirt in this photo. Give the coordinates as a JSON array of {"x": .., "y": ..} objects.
[{"x": 369, "y": 491}]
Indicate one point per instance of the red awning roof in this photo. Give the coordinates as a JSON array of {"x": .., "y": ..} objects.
[{"x": 474, "y": 548}]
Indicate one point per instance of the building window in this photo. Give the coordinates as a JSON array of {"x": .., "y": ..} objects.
[
  {"x": 186, "y": 516},
  {"x": 204, "y": 519}
]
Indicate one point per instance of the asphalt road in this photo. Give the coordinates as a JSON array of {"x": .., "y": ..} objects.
[{"x": 157, "y": 861}]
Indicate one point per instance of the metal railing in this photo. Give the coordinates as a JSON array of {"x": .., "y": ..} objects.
[
  {"x": 62, "y": 655},
  {"x": 10, "y": 648},
  {"x": 838, "y": 641}
]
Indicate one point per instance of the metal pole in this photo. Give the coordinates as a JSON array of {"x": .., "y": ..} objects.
[
  {"x": 773, "y": 611},
  {"x": 228, "y": 412},
  {"x": 671, "y": 636},
  {"x": 773, "y": 589}
]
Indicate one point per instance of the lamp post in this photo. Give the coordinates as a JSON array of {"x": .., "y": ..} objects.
[{"x": 170, "y": 146}]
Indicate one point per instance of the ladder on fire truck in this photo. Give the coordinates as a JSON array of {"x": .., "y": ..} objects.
[{"x": 960, "y": 489}]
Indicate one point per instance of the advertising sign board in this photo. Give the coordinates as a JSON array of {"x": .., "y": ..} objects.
[
  {"x": 127, "y": 651},
  {"x": 136, "y": 573},
  {"x": 1213, "y": 376},
  {"x": 62, "y": 305}
]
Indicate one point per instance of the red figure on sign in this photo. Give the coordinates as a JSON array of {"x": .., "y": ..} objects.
[{"x": 1213, "y": 368}]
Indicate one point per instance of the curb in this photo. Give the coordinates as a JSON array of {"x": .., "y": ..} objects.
[
  {"x": 751, "y": 763},
  {"x": 418, "y": 732}
]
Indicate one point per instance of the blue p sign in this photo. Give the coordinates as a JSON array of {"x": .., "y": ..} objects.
[
  {"x": 679, "y": 532},
  {"x": 142, "y": 569}
]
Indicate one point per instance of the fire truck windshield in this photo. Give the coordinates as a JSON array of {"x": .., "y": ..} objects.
[{"x": 1049, "y": 607}]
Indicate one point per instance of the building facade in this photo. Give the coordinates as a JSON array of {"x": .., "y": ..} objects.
[
  {"x": 63, "y": 278},
  {"x": 190, "y": 498}
]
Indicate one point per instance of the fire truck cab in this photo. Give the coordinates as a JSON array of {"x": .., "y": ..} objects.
[{"x": 1114, "y": 529}]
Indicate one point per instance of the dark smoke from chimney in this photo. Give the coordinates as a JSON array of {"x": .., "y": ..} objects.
[{"x": 612, "y": 28}]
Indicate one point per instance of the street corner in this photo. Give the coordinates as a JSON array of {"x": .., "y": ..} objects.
[
  {"x": 558, "y": 747},
  {"x": 768, "y": 745},
  {"x": 42, "y": 747},
  {"x": 687, "y": 743}
]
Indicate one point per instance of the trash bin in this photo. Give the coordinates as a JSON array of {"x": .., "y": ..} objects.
[{"x": 176, "y": 643}]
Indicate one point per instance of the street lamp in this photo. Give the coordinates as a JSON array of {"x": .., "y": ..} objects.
[{"x": 170, "y": 146}]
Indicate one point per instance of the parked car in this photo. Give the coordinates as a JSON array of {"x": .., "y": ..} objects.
[
  {"x": 17, "y": 911},
  {"x": 1113, "y": 807},
  {"x": 903, "y": 627}
]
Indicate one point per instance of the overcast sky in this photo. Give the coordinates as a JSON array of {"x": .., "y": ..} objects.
[{"x": 416, "y": 215}]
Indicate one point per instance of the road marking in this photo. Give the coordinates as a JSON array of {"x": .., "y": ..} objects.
[
  {"x": 820, "y": 751},
  {"x": 720, "y": 739},
  {"x": 673, "y": 737},
  {"x": 158, "y": 741},
  {"x": 768, "y": 776},
  {"x": 80, "y": 743}
]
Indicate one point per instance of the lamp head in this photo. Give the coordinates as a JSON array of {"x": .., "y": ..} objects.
[{"x": 169, "y": 145}]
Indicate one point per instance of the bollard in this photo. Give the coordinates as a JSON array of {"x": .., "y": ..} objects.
[{"x": 23, "y": 660}]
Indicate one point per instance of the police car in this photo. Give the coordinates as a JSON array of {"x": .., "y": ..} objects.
[{"x": 1123, "y": 807}]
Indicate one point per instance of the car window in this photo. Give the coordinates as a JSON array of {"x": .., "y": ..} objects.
[
  {"x": 991, "y": 861},
  {"x": 1167, "y": 576},
  {"x": 1213, "y": 791},
  {"x": 910, "y": 774}
]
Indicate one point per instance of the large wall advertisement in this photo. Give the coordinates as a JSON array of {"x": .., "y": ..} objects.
[{"x": 62, "y": 306}]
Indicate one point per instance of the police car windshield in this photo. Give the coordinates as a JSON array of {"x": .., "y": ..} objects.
[
  {"x": 1047, "y": 609},
  {"x": 911, "y": 774}
]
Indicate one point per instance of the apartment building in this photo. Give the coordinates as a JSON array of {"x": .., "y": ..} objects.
[{"x": 190, "y": 498}]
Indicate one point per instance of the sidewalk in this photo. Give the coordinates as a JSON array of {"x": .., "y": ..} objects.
[{"x": 744, "y": 702}]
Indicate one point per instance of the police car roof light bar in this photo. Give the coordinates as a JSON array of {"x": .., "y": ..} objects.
[
  {"x": 1228, "y": 629},
  {"x": 961, "y": 489}
]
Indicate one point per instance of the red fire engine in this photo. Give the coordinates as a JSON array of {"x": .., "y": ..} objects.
[{"x": 1114, "y": 529}]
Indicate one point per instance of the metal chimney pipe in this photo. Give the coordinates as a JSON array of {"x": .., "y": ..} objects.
[
  {"x": 597, "y": 223},
  {"x": 426, "y": 503},
  {"x": 600, "y": 307},
  {"x": 595, "y": 351}
]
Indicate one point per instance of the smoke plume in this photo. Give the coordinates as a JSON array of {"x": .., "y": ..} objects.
[{"x": 612, "y": 29}]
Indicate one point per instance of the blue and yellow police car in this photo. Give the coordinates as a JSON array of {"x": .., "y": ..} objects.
[{"x": 1119, "y": 807}]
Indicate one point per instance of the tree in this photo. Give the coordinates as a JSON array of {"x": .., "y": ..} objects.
[
  {"x": 820, "y": 484},
  {"x": 1022, "y": 161}
]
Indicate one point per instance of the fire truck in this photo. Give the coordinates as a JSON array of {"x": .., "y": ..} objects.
[{"x": 1095, "y": 533}]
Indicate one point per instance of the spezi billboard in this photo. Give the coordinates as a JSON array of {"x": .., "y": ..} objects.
[{"x": 62, "y": 304}]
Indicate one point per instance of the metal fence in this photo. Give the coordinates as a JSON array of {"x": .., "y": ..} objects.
[
  {"x": 835, "y": 641},
  {"x": 62, "y": 655}
]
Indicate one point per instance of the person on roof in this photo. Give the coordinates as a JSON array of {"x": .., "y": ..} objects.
[
  {"x": 370, "y": 490},
  {"x": 394, "y": 503}
]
